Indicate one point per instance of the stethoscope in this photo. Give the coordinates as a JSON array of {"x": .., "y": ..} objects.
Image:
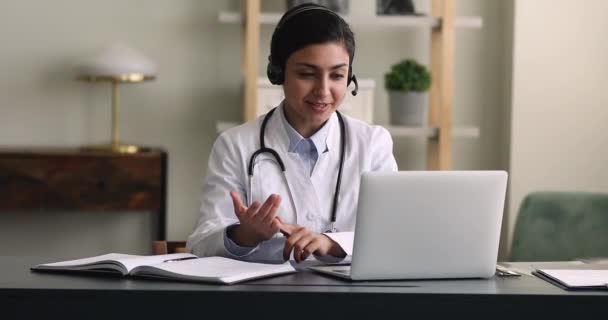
[{"x": 264, "y": 149}]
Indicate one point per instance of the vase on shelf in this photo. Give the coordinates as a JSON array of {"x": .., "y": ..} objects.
[{"x": 407, "y": 108}]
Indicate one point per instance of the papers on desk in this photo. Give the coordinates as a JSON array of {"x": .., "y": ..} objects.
[
  {"x": 527, "y": 268},
  {"x": 575, "y": 279}
]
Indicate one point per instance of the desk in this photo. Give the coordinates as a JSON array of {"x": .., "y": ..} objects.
[{"x": 27, "y": 295}]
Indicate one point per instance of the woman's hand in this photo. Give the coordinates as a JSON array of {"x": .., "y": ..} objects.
[
  {"x": 304, "y": 242},
  {"x": 257, "y": 223}
]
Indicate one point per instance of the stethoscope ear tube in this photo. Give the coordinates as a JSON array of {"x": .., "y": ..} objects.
[
  {"x": 264, "y": 150},
  {"x": 334, "y": 208}
]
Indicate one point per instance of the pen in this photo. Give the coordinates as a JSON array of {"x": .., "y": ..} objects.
[
  {"x": 504, "y": 272},
  {"x": 180, "y": 259},
  {"x": 285, "y": 233}
]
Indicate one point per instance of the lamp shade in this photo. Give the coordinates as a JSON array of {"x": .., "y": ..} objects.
[{"x": 119, "y": 62}]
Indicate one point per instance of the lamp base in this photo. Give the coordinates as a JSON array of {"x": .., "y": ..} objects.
[{"x": 116, "y": 148}]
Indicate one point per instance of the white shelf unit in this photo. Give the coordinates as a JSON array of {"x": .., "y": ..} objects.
[
  {"x": 442, "y": 22},
  {"x": 431, "y": 133},
  {"x": 396, "y": 131},
  {"x": 361, "y": 20}
]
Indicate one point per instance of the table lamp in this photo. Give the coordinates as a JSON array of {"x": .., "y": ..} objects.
[{"x": 117, "y": 64}]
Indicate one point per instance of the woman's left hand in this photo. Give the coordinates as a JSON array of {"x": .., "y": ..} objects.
[{"x": 304, "y": 242}]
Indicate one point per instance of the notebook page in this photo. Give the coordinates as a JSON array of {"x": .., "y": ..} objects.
[
  {"x": 91, "y": 260},
  {"x": 216, "y": 268},
  {"x": 579, "y": 278},
  {"x": 114, "y": 261},
  {"x": 135, "y": 261}
]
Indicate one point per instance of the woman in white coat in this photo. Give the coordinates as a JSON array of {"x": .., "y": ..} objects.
[{"x": 307, "y": 210}]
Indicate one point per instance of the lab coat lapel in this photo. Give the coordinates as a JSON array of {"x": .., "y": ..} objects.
[
  {"x": 276, "y": 138},
  {"x": 325, "y": 173},
  {"x": 303, "y": 194}
]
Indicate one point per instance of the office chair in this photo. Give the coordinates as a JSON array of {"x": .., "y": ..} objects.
[
  {"x": 166, "y": 247},
  {"x": 561, "y": 226}
]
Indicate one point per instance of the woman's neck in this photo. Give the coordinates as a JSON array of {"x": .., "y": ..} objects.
[{"x": 306, "y": 130}]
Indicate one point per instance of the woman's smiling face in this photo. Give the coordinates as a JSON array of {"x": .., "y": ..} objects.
[{"x": 315, "y": 84}]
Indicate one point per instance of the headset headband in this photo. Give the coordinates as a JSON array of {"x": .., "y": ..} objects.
[{"x": 275, "y": 73}]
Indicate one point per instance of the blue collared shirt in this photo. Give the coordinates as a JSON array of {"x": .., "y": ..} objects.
[{"x": 308, "y": 151}]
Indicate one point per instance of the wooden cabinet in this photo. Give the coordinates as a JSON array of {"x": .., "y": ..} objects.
[{"x": 54, "y": 179}]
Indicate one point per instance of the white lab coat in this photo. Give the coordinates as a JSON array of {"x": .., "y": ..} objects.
[{"x": 368, "y": 148}]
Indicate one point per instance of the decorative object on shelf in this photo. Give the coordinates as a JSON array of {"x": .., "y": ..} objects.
[
  {"x": 407, "y": 83},
  {"x": 339, "y": 6},
  {"x": 118, "y": 64},
  {"x": 395, "y": 7}
]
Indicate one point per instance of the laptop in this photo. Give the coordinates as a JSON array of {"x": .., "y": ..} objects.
[{"x": 426, "y": 225}]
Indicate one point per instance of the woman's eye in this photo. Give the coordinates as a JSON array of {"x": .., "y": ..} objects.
[
  {"x": 337, "y": 76},
  {"x": 306, "y": 74}
]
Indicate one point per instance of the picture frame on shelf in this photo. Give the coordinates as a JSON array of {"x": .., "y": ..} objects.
[
  {"x": 339, "y": 6},
  {"x": 395, "y": 7}
]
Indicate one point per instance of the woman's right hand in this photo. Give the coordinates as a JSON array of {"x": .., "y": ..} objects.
[{"x": 257, "y": 222}]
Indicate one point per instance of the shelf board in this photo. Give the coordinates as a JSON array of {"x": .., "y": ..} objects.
[
  {"x": 395, "y": 131},
  {"x": 403, "y": 131},
  {"x": 394, "y": 21}
]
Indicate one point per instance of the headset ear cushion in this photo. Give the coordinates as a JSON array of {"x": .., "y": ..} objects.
[{"x": 274, "y": 73}]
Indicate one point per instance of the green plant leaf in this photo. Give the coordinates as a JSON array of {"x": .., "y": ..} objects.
[{"x": 408, "y": 75}]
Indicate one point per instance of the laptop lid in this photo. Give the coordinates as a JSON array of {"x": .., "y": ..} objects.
[{"x": 428, "y": 224}]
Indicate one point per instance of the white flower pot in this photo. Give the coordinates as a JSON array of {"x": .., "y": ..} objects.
[{"x": 408, "y": 108}]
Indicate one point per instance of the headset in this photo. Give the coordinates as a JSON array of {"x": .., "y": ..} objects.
[{"x": 275, "y": 72}]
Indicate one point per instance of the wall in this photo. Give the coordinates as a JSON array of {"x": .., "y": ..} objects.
[
  {"x": 198, "y": 84},
  {"x": 42, "y": 104},
  {"x": 559, "y": 114}
]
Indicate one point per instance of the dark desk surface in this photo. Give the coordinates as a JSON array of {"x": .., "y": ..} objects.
[{"x": 304, "y": 294}]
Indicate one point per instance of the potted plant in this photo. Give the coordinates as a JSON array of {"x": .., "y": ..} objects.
[{"x": 407, "y": 83}]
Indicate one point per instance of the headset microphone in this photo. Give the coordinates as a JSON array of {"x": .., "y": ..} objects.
[{"x": 354, "y": 79}]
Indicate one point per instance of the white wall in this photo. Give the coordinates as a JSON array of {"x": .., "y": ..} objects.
[
  {"x": 560, "y": 98},
  {"x": 198, "y": 84},
  {"x": 41, "y": 104}
]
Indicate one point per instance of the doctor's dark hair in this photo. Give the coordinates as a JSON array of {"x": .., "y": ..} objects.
[{"x": 304, "y": 25}]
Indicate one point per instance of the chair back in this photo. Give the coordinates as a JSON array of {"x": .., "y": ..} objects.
[
  {"x": 166, "y": 247},
  {"x": 561, "y": 226}
]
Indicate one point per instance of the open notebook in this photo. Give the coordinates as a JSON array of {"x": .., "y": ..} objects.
[
  {"x": 178, "y": 266},
  {"x": 575, "y": 279}
]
